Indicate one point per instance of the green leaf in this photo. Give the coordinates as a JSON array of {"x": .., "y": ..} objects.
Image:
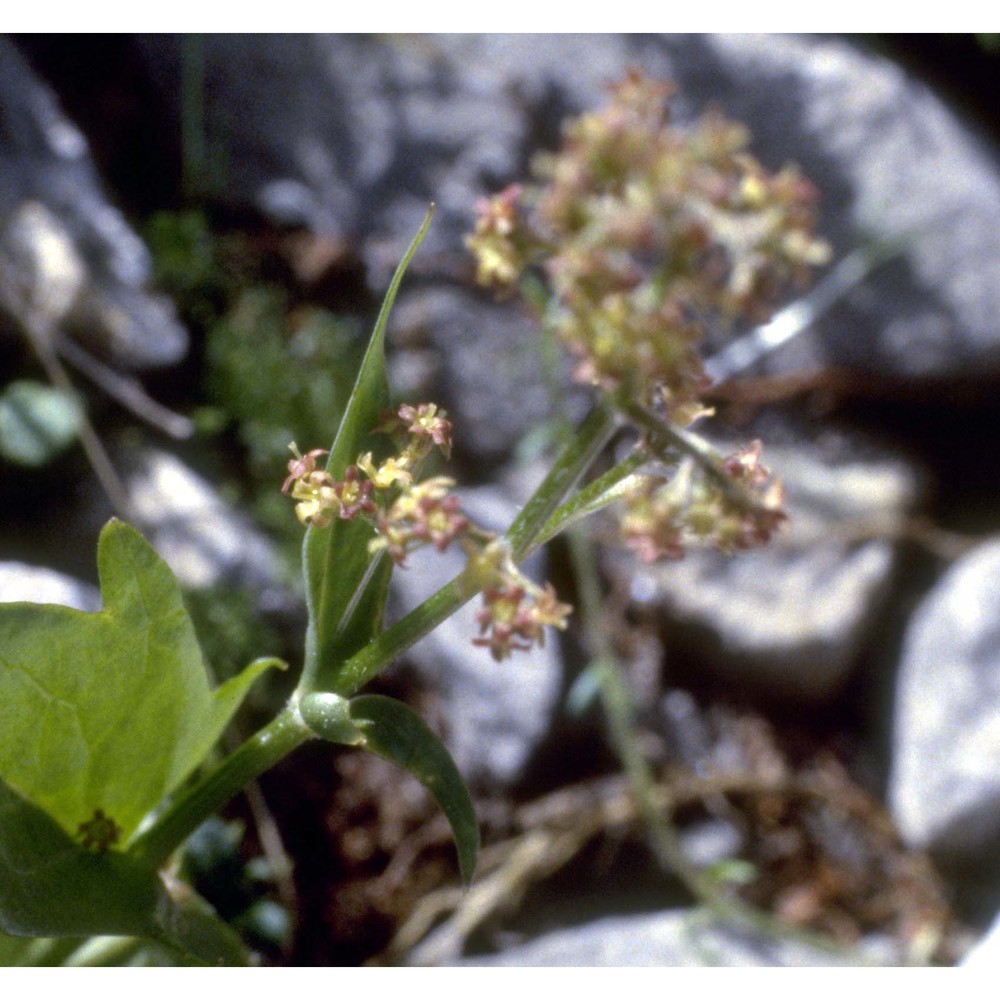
[
  {"x": 108, "y": 711},
  {"x": 192, "y": 927},
  {"x": 346, "y": 588},
  {"x": 51, "y": 887},
  {"x": 37, "y": 422},
  {"x": 394, "y": 731},
  {"x": 15, "y": 950}
]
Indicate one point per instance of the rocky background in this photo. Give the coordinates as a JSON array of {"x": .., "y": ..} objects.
[{"x": 196, "y": 232}]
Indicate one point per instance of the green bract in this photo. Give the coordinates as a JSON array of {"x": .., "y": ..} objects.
[
  {"x": 108, "y": 711},
  {"x": 346, "y": 588}
]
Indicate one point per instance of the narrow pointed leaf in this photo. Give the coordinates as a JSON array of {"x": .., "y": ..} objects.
[
  {"x": 108, "y": 711},
  {"x": 394, "y": 731},
  {"x": 345, "y": 590},
  {"x": 595, "y": 496},
  {"x": 190, "y": 925}
]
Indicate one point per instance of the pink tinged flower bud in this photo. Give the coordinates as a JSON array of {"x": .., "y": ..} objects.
[
  {"x": 301, "y": 466},
  {"x": 427, "y": 421}
]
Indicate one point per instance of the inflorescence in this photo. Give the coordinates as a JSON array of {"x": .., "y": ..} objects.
[
  {"x": 646, "y": 235},
  {"x": 408, "y": 513}
]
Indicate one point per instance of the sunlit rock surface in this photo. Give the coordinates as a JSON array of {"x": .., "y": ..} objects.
[
  {"x": 789, "y": 619},
  {"x": 945, "y": 784},
  {"x": 69, "y": 262}
]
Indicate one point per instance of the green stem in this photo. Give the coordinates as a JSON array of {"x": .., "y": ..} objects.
[
  {"x": 616, "y": 700},
  {"x": 186, "y": 813},
  {"x": 523, "y": 537},
  {"x": 286, "y": 732},
  {"x": 588, "y": 442},
  {"x": 667, "y": 439}
]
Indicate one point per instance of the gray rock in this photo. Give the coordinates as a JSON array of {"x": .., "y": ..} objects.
[
  {"x": 893, "y": 163},
  {"x": 789, "y": 619},
  {"x": 985, "y": 954},
  {"x": 20, "y": 582},
  {"x": 494, "y": 714},
  {"x": 68, "y": 259},
  {"x": 201, "y": 537},
  {"x": 353, "y": 136},
  {"x": 944, "y": 788},
  {"x": 676, "y": 938},
  {"x": 490, "y": 367}
]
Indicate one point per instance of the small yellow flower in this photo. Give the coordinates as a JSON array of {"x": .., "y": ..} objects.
[{"x": 392, "y": 470}]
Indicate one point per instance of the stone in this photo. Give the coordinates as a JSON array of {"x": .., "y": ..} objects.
[
  {"x": 40, "y": 585},
  {"x": 944, "y": 787},
  {"x": 69, "y": 262},
  {"x": 789, "y": 620},
  {"x": 201, "y": 537},
  {"x": 673, "y": 939},
  {"x": 894, "y": 163}
]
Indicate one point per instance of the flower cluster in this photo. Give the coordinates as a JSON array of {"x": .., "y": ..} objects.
[
  {"x": 408, "y": 513},
  {"x": 424, "y": 512},
  {"x": 99, "y": 832},
  {"x": 646, "y": 234},
  {"x": 663, "y": 517},
  {"x": 515, "y": 609},
  {"x": 321, "y": 498}
]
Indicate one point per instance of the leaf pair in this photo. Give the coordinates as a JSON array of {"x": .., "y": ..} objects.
[
  {"x": 346, "y": 594},
  {"x": 100, "y": 714},
  {"x": 108, "y": 714}
]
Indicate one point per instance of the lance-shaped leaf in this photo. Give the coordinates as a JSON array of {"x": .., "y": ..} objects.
[
  {"x": 50, "y": 886},
  {"x": 394, "y": 731},
  {"x": 345, "y": 587},
  {"x": 106, "y": 713}
]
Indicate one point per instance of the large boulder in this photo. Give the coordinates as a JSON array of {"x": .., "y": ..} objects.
[
  {"x": 944, "y": 787},
  {"x": 352, "y": 136},
  {"x": 68, "y": 259}
]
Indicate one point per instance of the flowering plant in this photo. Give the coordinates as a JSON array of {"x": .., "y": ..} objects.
[{"x": 634, "y": 239}]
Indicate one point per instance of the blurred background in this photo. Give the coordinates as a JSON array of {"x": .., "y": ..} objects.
[{"x": 195, "y": 233}]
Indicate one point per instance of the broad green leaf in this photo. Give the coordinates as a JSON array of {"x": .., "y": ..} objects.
[
  {"x": 37, "y": 422},
  {"x": 394, "y": 731},
  {"x": 345, "y": 588},
  {"x": 108, "y": 711},
  {"x": 50, "y": 886}
]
